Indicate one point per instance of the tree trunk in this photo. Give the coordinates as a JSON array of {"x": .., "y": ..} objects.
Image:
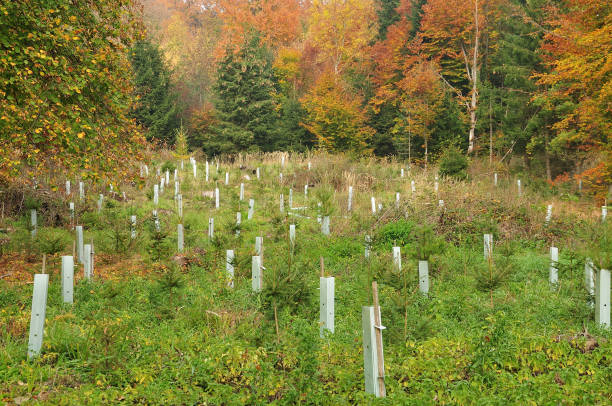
[
  {"x": 547, "y": 158},
  {"x": 490, "y": 134},
  {"x": 474, "y": 76}
]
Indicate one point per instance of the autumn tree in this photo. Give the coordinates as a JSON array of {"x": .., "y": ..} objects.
[
  {"x": 335, "y": 117},
  {"x": 421, "y": 96},
  {"x": 457, "y": 34},
  {"x": 278, "y": 22},
  {"x": 577, "y": 52},
  {"x": 65, "y": 86},
  {"x": 342, "y": 30}
]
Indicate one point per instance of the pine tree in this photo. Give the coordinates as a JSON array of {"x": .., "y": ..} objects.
[
  {"x": 157, "y": 108},
  {"x": 246, "y": 107}
]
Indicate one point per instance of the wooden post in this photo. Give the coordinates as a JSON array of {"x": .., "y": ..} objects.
[
  {"x": 322, "y": 264},
  {"x": 93, "y": 257},
  {"x": 326, "y": 305},
  {"x": 44, "y": 264},
  {"x": 256, "y": 276},
  {"x": 39, "y": 309},
  {"x": 424, "y": 277},
  {"x": 251, "y": 209},
  {"x": 180, "y": 238},
  {"x": 553, "y": 276},
  {"x": 68, "y": 278},
  {"x": 79, "y": 242},
  {"x": 602, "y": 298},
  {"x": 229, "y": 267}
]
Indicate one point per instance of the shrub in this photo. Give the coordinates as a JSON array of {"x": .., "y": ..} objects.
[
  {"x": 398, "y": 233},
  {"x": 454, "y": 164},
  {"x": 168, "y": 166}
]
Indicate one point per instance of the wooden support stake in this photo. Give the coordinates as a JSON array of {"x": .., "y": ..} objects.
[
  {"x": 44, "y": 264},
  {"x": 322, "y": 267}
]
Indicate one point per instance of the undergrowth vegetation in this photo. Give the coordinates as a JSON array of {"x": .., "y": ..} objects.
[{"x": 157, "y": 326}]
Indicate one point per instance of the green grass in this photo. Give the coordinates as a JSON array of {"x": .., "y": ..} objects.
[{"x": 161, "y": 332}]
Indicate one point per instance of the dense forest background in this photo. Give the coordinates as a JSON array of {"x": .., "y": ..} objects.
[{"x": 85, "y": 84}]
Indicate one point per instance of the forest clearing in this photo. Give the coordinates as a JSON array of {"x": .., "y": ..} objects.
[{"x": 335, "y": 202}]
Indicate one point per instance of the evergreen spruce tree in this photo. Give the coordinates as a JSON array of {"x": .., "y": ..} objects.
[
  {"x": 157, "y": 108},
  {"x": 246, "y": 107},
  {"x": 387, "y": 15},
  {"x": 508, "y": 87},
  {"x": 180, "y": 147}
]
